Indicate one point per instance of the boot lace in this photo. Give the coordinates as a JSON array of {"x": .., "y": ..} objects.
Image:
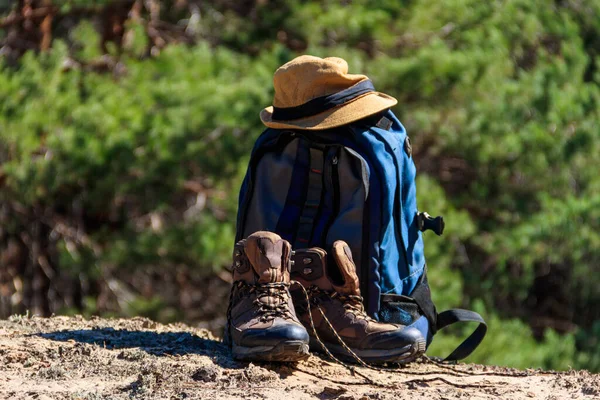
[
  {"x": 276, "y": 304},
  {"x": 352, "y": 303},
  {"x": 311, "y": 296}
]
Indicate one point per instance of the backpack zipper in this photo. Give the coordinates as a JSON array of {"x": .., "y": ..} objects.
[{"x": 334, "y": 180}]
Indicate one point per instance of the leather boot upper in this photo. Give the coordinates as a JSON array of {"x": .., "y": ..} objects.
[
  {"x": 261, "y": 308},
  {"x": 333, "y": 285}
]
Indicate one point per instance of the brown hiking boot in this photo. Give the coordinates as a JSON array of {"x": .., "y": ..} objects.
[
  {"x": 261, "y": 321},
  {"x": 335, "y": 289}
]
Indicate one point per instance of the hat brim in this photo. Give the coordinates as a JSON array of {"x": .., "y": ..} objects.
[{"x": 359, "y": 108}]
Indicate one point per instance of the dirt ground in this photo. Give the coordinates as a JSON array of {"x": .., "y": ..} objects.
[{"x": 74, "y": 358}]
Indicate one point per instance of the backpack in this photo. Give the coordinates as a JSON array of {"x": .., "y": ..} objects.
[{"x": 354, "y": 183}]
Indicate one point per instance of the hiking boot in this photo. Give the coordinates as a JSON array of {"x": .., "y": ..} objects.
[
  {"x": 261, "y": 321},
  {"x": 335, "y": 289}
]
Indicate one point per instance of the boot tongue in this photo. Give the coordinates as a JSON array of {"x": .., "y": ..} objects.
[
  {"x": 269, "y": 256},
  {"x": 343, "y": 258}
]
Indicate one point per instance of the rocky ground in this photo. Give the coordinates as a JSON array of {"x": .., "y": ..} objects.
[{"x": 74, "y": 358}]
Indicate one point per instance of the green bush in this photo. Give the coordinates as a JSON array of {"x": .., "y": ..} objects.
[{"x": 118, "y": 165}]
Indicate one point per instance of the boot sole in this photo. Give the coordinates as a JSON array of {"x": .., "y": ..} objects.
[
  {"x": 287, "y": 351},
  {"x": 402, "y": 355}
]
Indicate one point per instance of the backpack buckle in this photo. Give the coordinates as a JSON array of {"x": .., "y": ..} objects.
[{"x": 426, "y": 221}]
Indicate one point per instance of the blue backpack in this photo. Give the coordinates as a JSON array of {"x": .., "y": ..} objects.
[{"x": 354, "y": 183}]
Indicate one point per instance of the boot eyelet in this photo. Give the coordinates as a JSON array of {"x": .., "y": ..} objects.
[
  {"x": 307, "y": 271},
  {"x": 307, "y": 260}
]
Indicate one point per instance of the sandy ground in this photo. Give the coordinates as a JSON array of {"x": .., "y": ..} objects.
[{"x": 74, "y": 358}]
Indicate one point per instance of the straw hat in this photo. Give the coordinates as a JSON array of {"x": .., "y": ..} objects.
[{"x": 315, "y": 93}]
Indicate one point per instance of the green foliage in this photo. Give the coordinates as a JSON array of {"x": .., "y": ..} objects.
[
  {"x": 131, "y": 146},
  {"x": 138, "y": 168}
]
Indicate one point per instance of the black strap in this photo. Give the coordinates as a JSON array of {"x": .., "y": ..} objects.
[
  {"x": 421, "y": 294},
  {"x": 323, "y": 103},
  {"x": 450, "y": 317},
  {"x": 313, "y": 199}
]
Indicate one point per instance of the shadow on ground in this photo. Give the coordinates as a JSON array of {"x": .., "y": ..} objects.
[{"x": 155, "y": 343}]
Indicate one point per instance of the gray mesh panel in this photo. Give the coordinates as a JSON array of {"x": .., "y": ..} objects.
[{"x": 271, "y": 184}]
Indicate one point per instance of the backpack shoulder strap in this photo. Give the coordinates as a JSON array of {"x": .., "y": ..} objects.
[{"x": 455, "y": 315}]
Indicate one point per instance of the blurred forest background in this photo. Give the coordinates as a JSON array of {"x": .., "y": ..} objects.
[{"x": 126, "y": 126}]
